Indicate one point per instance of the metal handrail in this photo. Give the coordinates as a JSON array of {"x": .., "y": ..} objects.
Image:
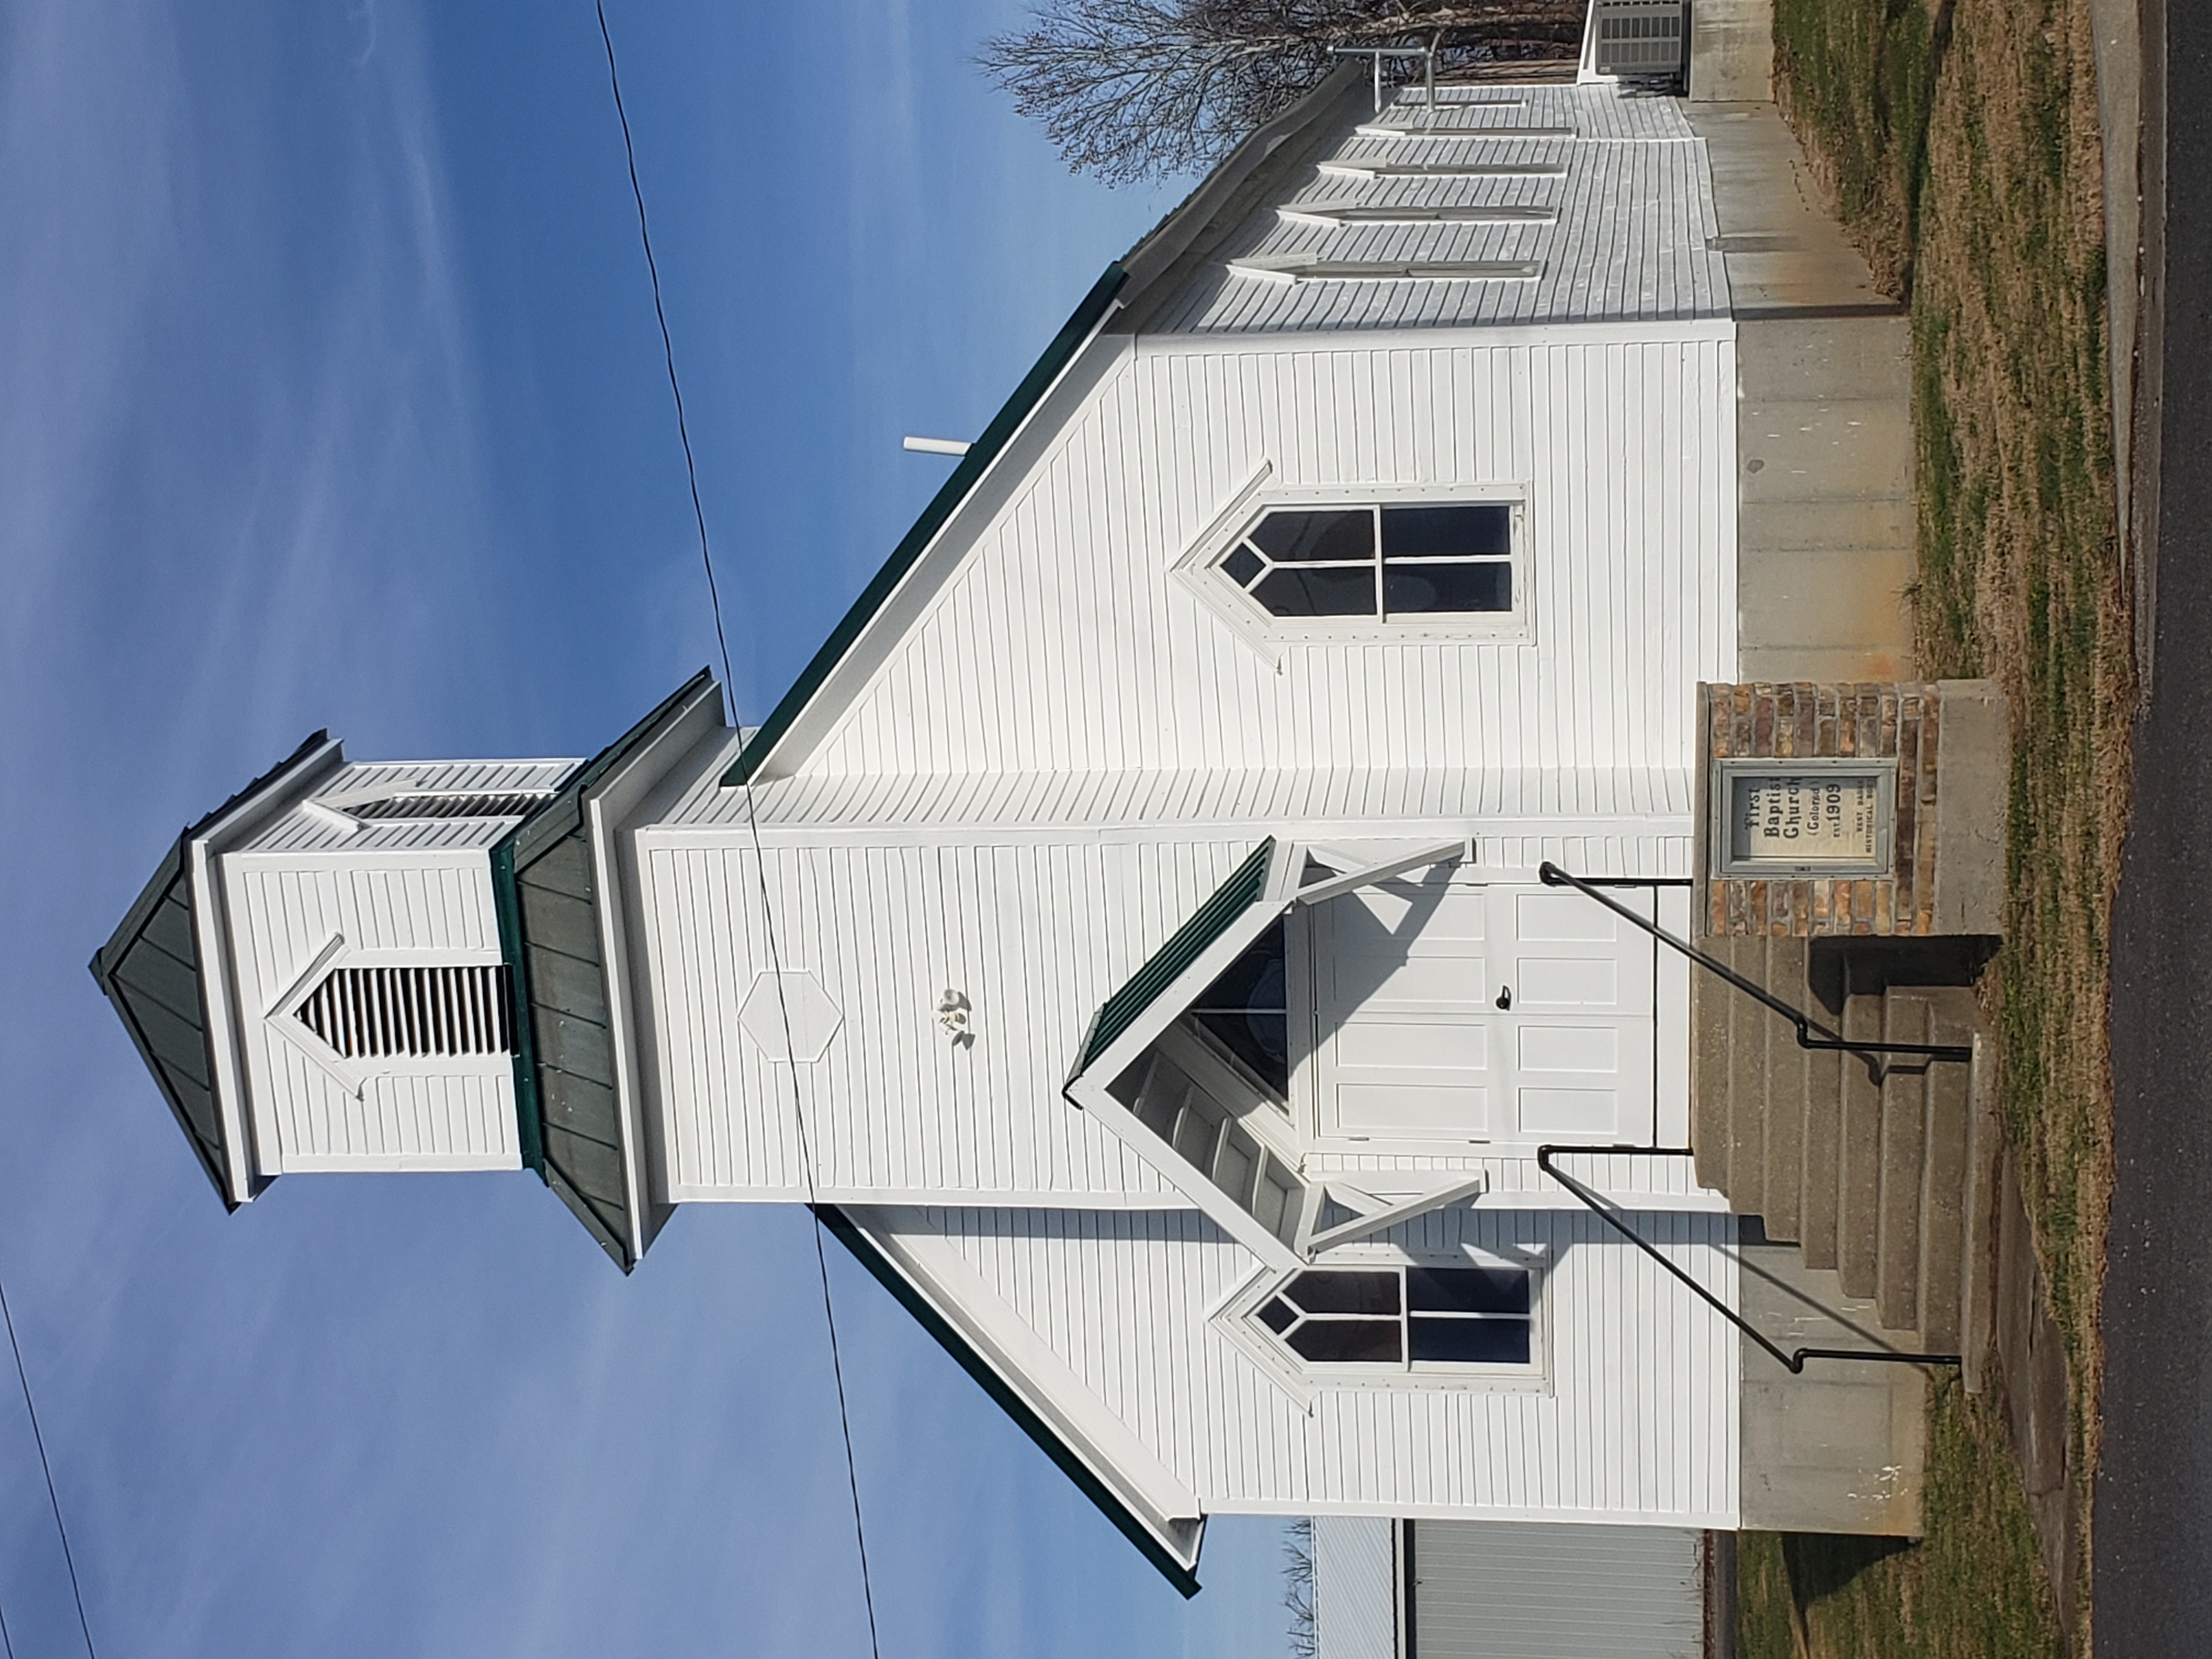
[
  {"x": 1794, "y": 1361},
  {"x": 1552, "y": 876}
]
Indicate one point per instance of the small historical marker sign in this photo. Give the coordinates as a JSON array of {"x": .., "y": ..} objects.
[
  {"x": 1806, "y": 817},
  {"x": 1817, "y": 808},
  {"x": 1859, "y": 808}
]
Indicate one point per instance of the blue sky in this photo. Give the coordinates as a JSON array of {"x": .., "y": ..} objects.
[{"x": 330, "y": 395}]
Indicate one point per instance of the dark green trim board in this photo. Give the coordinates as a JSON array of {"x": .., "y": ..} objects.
[
  {"x": 964, "y": 1354},
  {"x": 616, "y": 753},
  {"x": 985, "y": 449},
  {"x": 507, "y": 908},
  {"x": 1207, "y": 923}
]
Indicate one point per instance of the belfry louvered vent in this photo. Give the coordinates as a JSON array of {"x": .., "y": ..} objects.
[
  {"x": 368, "y": 1013},
  {"x": 512, "y": 804}
]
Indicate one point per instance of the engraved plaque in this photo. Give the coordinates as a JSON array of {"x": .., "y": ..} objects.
[{"x": 1803, "y": 817}]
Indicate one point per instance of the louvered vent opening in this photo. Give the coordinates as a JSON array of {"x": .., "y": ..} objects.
[
  {"x": 367, "y": 1014},
  {"x": 512, "y": 804}
]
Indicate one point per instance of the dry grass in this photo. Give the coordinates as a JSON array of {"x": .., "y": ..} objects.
[
  {"x": 1960, "y": 140},
  {"x": 2020, "y": 579}
]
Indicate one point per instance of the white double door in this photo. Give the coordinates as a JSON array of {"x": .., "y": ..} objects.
[{"x": 1448, "y": 1012}]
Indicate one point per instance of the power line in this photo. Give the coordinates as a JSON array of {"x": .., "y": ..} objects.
[
  {"x": 668, "y": 347},
  {"x": 813, "y": 1210},
  {"x": 39, "y": 1439},
  {"x": 760, "y": 862}
]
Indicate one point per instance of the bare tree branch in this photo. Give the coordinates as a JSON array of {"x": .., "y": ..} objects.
[{"x": 1138, "y": 89}]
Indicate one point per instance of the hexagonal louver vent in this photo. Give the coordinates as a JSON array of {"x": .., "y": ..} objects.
[{"x": 366, "y": 1013}]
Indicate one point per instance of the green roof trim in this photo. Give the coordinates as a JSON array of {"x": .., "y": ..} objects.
[
  {"x": 1210, "y": 920},
  {"x": 507, "y": 910},
  {"x": 149, "y": 971},
  {"x": 567, "y": 1108},
  {"x": 964, "y": 1354},
  {"x": 985, "y": 449}
]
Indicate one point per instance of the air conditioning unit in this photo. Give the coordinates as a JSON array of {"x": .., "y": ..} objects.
[{"x": 1640, "y": 38}]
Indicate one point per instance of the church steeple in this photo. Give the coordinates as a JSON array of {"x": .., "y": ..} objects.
[
  {"x": 402, "y": 965},
  {"x": 315, "y": 977}
]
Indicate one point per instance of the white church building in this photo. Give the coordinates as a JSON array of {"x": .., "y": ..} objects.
[{"x": 1127, "y": 933}]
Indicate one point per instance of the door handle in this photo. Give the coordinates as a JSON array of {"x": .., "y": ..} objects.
[{"x": 1505, "y": 996}]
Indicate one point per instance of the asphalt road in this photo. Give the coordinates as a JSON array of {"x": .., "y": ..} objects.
[{"x": 2152, "y": 1538}]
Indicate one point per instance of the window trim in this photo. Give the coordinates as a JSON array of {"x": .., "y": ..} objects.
[
  {"x": 1199, "y": 568},
  {"x": 1237, "y": 1319}
]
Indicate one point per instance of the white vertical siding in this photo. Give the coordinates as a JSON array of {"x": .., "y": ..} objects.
[
  {"x": 400, "y": 1121},
  {"x": 1063, "y": 642},
  {"x": 1634, "y": 1417},
  {"x": 1037, "y": 934},
  {"x": 1355, "y": 1587},
  {"x": 282, "y": 911},
  {"x": 297, "y": 830},
  {"x": 1614, "y": 819}
]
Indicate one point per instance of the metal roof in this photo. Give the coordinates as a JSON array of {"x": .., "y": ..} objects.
[
  {"x": 150, "y": 969},
  {"x": 1230, "y": 901},
  {"x": 567, "y": 1104},
  {"x": 1517, "y": 205}
]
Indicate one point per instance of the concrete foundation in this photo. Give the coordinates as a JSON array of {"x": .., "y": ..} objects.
[
  {"x": 1842, "y": 1449},
  {"x": 1826, "y": 527},
  {"x": 1732, "y": 52}
]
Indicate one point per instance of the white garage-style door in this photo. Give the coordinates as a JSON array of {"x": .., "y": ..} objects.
[{"x": 1449, "y": 1012}]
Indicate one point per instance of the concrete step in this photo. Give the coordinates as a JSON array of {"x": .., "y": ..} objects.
[
  {"x": 1746, "y": 1074},
  {"x": 1859, "y": 1157},
  {"x": 1946, "y": 1186},
  {"x": 1782, "y": 1182},
  {"x": 1870, "y": 1165},
  {"x": 1977, "y": 1286},
  {"x": 1846, "y": 525},
  {"x": 1904, "y": 1159},
  {"x": 1710, "y": 1005},
  {"x": 1819, "y": 1189}
]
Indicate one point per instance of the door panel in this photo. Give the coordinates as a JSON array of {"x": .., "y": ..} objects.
[
  {"x": 1552, "y": 982},
  {"x": 1406, "y": 1044},
  {"x": 1582, "y": 982},
  {"x": 1405, "y": 1050},
  {"x": 1548, "y": 915},
  {"x": 1570, "y": 1114},
  {"x": 1446, "y": 1011},
  {"x": 1392, "y": 1110},
  {"x": 1588, "y": 1046}
]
